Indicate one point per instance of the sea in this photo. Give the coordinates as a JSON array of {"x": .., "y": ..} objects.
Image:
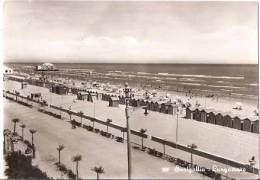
[{"x": 236, "y": 80}]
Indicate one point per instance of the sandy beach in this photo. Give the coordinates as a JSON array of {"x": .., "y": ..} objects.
[{"x": 210, "y": 138}]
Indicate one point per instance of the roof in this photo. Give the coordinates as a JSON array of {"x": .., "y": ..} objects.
[{"x": 114, "y": 98}]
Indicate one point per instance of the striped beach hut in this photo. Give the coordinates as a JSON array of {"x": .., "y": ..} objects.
[
  {"x": 247, "y": 125},
  {"x": 196, "y": 114},
  {"x": 139, "y": 102},
  {"x": 74, "y": 91},
  {"x": 219, "y": 119},
  {"x": 153, "y": 106},
  {"x": 157, "y": 106},
  {"x": 114, "y": 102},
  {"x": 211, "y": 118},
  {"x": 228, "y": 121},
  {"x": 82, "y": 96},
  {"x": 203, "y": 115},
  {"x": 237, "y": 123},
  {"x": 188, "y": 113},
  {"x": 255, "y": 126},
  {"x": 148, "y": 105}
]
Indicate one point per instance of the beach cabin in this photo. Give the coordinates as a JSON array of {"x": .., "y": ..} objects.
[
  {"x": 247, "y": 126},
  {"x": 203, "y": 115},
  {"x": 163, "y": 108},
  {"x": 82, "y": 96},
  {"x": 59, "y": 89},
  {"x": 152, "y": 106},
  {"x": 134, "y": 102},
  {"x": 174, "y": 108},
  {"x": 211, "y": 118},
  {"x": 237, "y": 123},
  {"x": 228, "y": 121},
  {"x": 255, "y": 126},
  {"x": 157, "y": 106},
  {"x": 170, "y": 108},
  {"x": 196, "y": 115},
  {"x": 99, "y": 95},
  {"x": 74, "y": 90},
  {"x": 121, "y": 99},
  {"x": 91, "y": 97},
  {"x": 139, "y": 102},
  {"x": 148, "y": 105},
  {"x": 114, "y": 102},
  {"x": 188, "y": 113},
  {"x": 219, "y": 119}
]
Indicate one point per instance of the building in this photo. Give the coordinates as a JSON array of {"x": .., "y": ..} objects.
[{"x": 114, "y": 102}]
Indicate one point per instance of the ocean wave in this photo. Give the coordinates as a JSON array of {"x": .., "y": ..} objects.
[
  {"x": 230, "y": 87},
  {"x": 253, "y": 84},
  {"x": 144, "y": 73},
  {"x": 191, "y": 79},
  {"x": 191, "y": 84},
  {"x": 202, "y": 76}
]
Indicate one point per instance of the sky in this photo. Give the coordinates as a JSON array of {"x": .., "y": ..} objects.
[{"x": 130, "y": 32}]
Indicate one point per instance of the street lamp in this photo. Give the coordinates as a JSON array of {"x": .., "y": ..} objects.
[{"x": 127, "y": 91}]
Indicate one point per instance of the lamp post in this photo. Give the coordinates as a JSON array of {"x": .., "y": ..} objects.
[{"x": 127, "y": 92}]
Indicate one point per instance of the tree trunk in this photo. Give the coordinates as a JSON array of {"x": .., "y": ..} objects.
[
  {"x": 107, "y": 128},
  {"x": 81, "y": 121},
  {"x": 97, "y": 176},
  {"x": 32, "y": 139},
  {"x": 191, "y": 159},
  {"x": 142, "y": 142},
  {"x": 4, "y": 144},
  {"x": 22, "y": 133},
  {"x": 77, "y": 170},
  {"x": 93, "y": 125},
  {"x": 14, "y": 126},
  {"x": 59, "y": 157}
]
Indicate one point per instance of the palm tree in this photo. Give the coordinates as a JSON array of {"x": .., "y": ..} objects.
[
  {"x": 22, "y": 126},
  {"x": 59, "y": 149},
  {"x": 108, "y": 122},
  {"x": 76, "y": 159},
  {"x": 32, "y": 131},
  {"x": 16, "y": 95},
  {"x": 98, "y": 170},
  {"x": 192, "y": 147},
  {"x": 69, "y": 112},
  {"x": 15, "y": 120},
  {"x": 81, "y": 116},
  {"x": 142, "y": 131}
]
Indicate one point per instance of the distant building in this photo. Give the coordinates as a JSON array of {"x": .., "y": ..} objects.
[
  {"x": 7, "y": 70},
  {"x": 46, "y": 67}
]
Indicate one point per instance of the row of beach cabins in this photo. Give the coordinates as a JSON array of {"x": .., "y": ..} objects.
[
  {"x": 223, "y": 119},
  {"x": 198, "y": 114}
]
